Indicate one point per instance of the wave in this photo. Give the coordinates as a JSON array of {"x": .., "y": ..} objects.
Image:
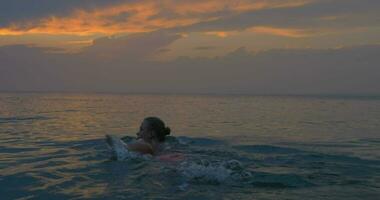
[{"x": 4, "y": 120}]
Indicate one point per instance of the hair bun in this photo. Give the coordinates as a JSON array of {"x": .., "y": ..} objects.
[{"x": 167, "y": 131}]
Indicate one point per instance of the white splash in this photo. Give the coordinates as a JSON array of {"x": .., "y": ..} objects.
[{"x": 213, "y": 172}]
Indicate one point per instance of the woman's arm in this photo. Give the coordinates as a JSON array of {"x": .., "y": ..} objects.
[{"x": 138, "y": 146}]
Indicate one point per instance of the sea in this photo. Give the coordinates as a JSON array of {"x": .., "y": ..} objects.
[{"x": 52, "y": 146}]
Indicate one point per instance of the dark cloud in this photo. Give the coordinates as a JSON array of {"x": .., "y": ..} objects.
[
  {"x": 101, "y": 65},
  {"x": 134, "y": 47},
  {"x": 202, "y": 48},
  {"x": 122, "y": 17},
  {"x": 163, "y": 50},
  {"x": 350, "y": 70},
  {"x": 21, "y": 10}
]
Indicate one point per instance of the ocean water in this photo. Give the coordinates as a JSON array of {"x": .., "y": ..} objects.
[{"x": 235, "y": 147}]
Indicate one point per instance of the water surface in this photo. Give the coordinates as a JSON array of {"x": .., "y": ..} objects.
[{"x": 286, "y": 147}]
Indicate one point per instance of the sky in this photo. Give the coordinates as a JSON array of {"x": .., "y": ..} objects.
[{"x": 191, "y": 46}]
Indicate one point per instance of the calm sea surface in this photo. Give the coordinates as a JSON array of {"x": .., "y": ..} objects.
[{"x": 237, "y": 147}]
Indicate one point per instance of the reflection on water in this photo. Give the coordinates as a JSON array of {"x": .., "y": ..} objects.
[{"x": 52, "y": 147}]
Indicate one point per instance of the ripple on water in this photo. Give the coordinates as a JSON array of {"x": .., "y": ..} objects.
[
  {"x": 18, "y": 119},
  {"x": 46, "y": 151},
  {"x": 83, "y": 169}
]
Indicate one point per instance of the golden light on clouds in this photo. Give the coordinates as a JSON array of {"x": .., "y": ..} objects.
[
  {"x": 302, "y": 33},
  {"x": 142, "y": 16},
  {"x": 80, "y": 42},
  {"x": 285, "y": 32},
  {"x": 276, "y": 31},
  {"x": 221, "y": 34},
  {"x": 270, "y": 23}
]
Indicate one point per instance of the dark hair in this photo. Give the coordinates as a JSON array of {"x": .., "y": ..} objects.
[{"x": 158, "y": 126}]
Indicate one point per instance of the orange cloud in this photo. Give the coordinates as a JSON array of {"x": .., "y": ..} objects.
[
  {"x": 142, "y": 16},
  {"x": 332, "y": 17},
  {"x": 221, "y": 34},
  {"x": 285, "y": 32},
  {"x": 81, "y": 42}
]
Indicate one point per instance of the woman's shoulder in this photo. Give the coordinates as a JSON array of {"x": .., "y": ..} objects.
[{"x": 141, "y": 146}]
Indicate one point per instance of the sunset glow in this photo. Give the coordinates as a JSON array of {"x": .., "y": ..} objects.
[
  {"x": 194, "y": 45},
  {"x": 219, "y": 18},
  {"x": 143, "y": 16}
]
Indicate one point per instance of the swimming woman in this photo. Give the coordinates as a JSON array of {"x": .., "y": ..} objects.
[{"x": 150, "y": 138}]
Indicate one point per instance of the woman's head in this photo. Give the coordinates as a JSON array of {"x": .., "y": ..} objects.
[{"x": 153, "y": 128}]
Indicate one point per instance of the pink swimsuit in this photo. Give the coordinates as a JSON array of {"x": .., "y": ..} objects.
[{"x": 171, "y": 157}]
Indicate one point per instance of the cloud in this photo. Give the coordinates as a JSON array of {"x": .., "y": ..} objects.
[
  {"x": 136, "y": 46},
  {"x": 348, "y": 70},
  {"x": 13, "y": 11},
  {"x": 129, "y": 16},
  {"x": 284, "y": 22},
  {"x": 163, "y": 50},
  {"x": 221, "y": 34},
  {"x": 345, "y": 15},
  {"x": 35, "y": 68},
  {"x": 203, "y": 48},
  {"x": 286, "y": 32}
]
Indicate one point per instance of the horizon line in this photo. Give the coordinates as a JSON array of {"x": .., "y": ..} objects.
[{"x": 191, "y": 93}]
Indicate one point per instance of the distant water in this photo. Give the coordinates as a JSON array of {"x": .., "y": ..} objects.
[{"x": 237, "y": 147}]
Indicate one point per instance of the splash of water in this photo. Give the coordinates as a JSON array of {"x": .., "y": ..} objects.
[{"x": 217, "y": 171}]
